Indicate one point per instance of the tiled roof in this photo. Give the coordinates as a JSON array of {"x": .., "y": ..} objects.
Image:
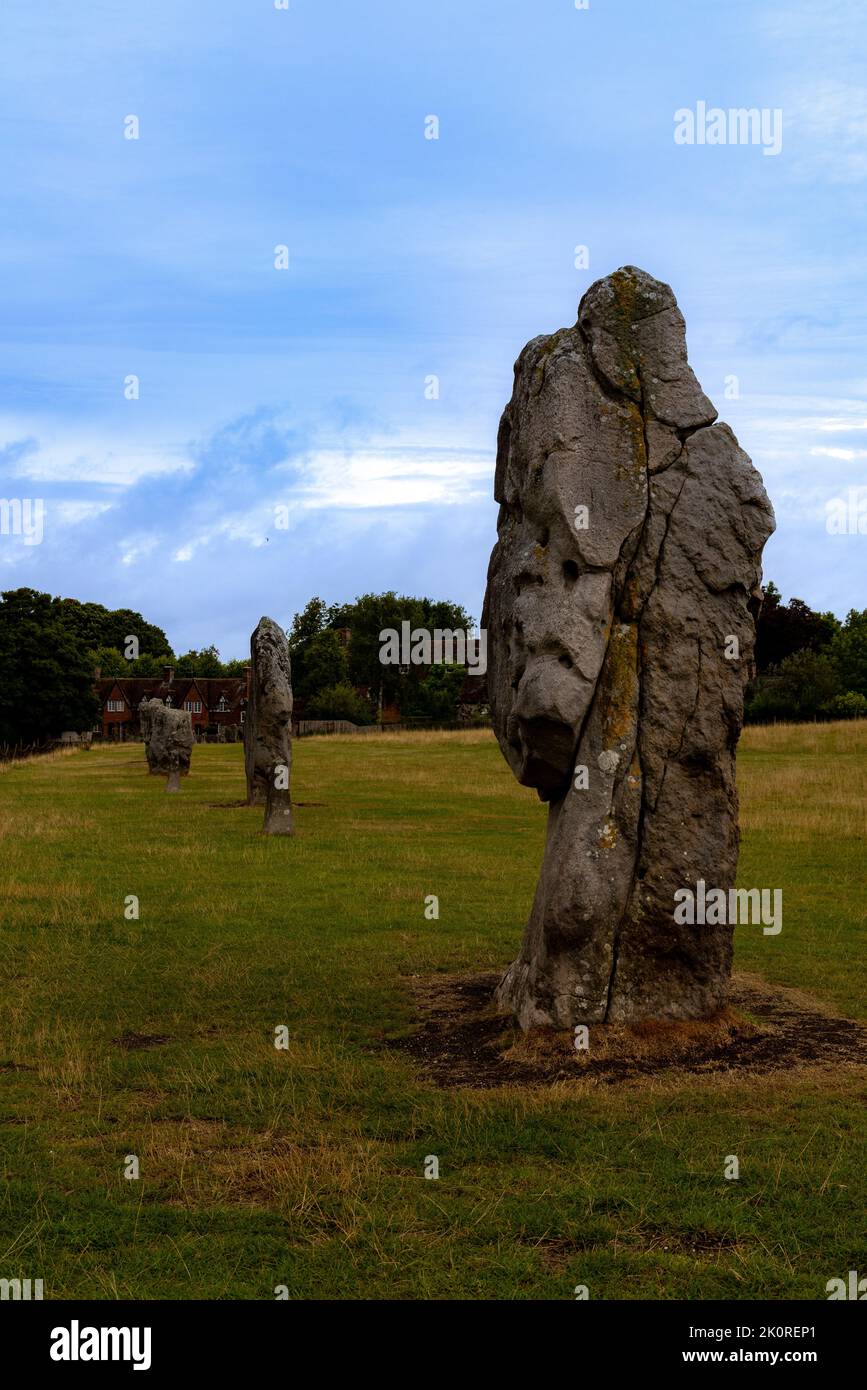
[{"x": 207, "y": 688}]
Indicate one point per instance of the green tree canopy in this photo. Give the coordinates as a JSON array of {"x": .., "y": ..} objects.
[
  {"x": 200, "y": 663},
  {"x": 324, "y": 664},
  {"x": 46, "y": 685},
  {"x": 320, "y": 661},
  {"x": 437, "y": 694},
  {"x": 803, "y": 686},
  {"x": 785, "y": 628},
  {"x": 94, "y": 626},
  {"x": 109, "y": 662},
  {"x": 339, "y": 702},
  {"x": 849, "y": 651},
  {"x": 306, "y": 625},
  {"x": 374, "y": 613}
]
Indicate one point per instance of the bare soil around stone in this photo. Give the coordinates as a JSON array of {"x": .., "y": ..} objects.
[{"x": 461, "y": 1041}]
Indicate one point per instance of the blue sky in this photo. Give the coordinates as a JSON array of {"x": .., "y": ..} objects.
[{"x": 305, "y": 388}]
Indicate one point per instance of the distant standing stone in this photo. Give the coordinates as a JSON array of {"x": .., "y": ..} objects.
[
  {"x": 268, "y": 728},
  {"x": 171, "y": 736}
]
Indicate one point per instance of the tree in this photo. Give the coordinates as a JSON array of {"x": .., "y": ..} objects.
[
  {"x": 199, "y": 663},
  {"x": 95, "y": 626},
  {"x": 307, "y": 623},
  {"x": 803, "y": 686},
  {"x": 237, "y": 667},
  {"x": 783, "y": 629},
  {"x": 340, "y": 702},
  {"x": 849, "y": 651},
  {"x": 47, "y": 682},
  {"x": 438, "y": 693},
  {"x": 849, "y": 706},
  {"x": 305, "y": 627},
  {"x": 320, "y": 662},
  {"x": 324, "y": 665},
  {"x": 373, "y": 613},
  {"x": 108, "y": 661},
  {"x": 148, "y": 665}
]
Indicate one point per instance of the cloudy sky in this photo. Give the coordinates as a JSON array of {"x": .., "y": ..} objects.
[{"x": 283, "y": 443}]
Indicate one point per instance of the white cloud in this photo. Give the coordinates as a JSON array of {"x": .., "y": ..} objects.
[
  {"x": 387, "y": 480},
  {"x": 72, "y": 513},
  {"x": 135, "y": 548},
  {"x": 70, "y": 457},
  {"x": 845, "y": 454},
  {"x": 393, "y": 477}
]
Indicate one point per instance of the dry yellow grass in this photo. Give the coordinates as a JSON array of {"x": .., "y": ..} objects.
[
  {"x": 51, "y": 757},
  {"x": 821, "y": 792},
  {"x": 838, "y": 736},
  {"x": 414, "y": 736}
]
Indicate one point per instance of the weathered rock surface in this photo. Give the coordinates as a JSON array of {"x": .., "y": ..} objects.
[
  {"x": 620, "y": 639},
  {"x": 144, "y": 723},
  {"x": 268, "y": 728},
  {"x": 170, "y": 739}
]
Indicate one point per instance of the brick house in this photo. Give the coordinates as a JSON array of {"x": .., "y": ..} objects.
[{"x": 212, "y": 701}]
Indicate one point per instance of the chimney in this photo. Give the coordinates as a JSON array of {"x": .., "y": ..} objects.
[{"x": 168, "y": 674}]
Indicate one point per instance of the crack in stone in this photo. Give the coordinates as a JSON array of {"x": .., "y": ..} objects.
[{"x": 615, "y": 943}]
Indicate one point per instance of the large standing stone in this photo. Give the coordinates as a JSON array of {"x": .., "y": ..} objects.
[
  {"x": 620, "y": 639},
  {"x": 170, "y": 741},
  {"x": 268, "y": 727},
  {"x": 144, "y": 724}
]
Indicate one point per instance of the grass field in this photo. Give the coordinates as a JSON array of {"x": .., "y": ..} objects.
[{"x": 304, "y": 1167}]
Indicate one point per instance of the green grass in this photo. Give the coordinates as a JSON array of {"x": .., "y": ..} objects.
[{"x": 304, "y": 1167}]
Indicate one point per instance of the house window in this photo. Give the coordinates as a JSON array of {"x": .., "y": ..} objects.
[
  {"x": 115, "y": 706},
  {"x": 223, "y": 705},
  {"x": 168, "y": 699},
  {"x": 194, "y": 706}
]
